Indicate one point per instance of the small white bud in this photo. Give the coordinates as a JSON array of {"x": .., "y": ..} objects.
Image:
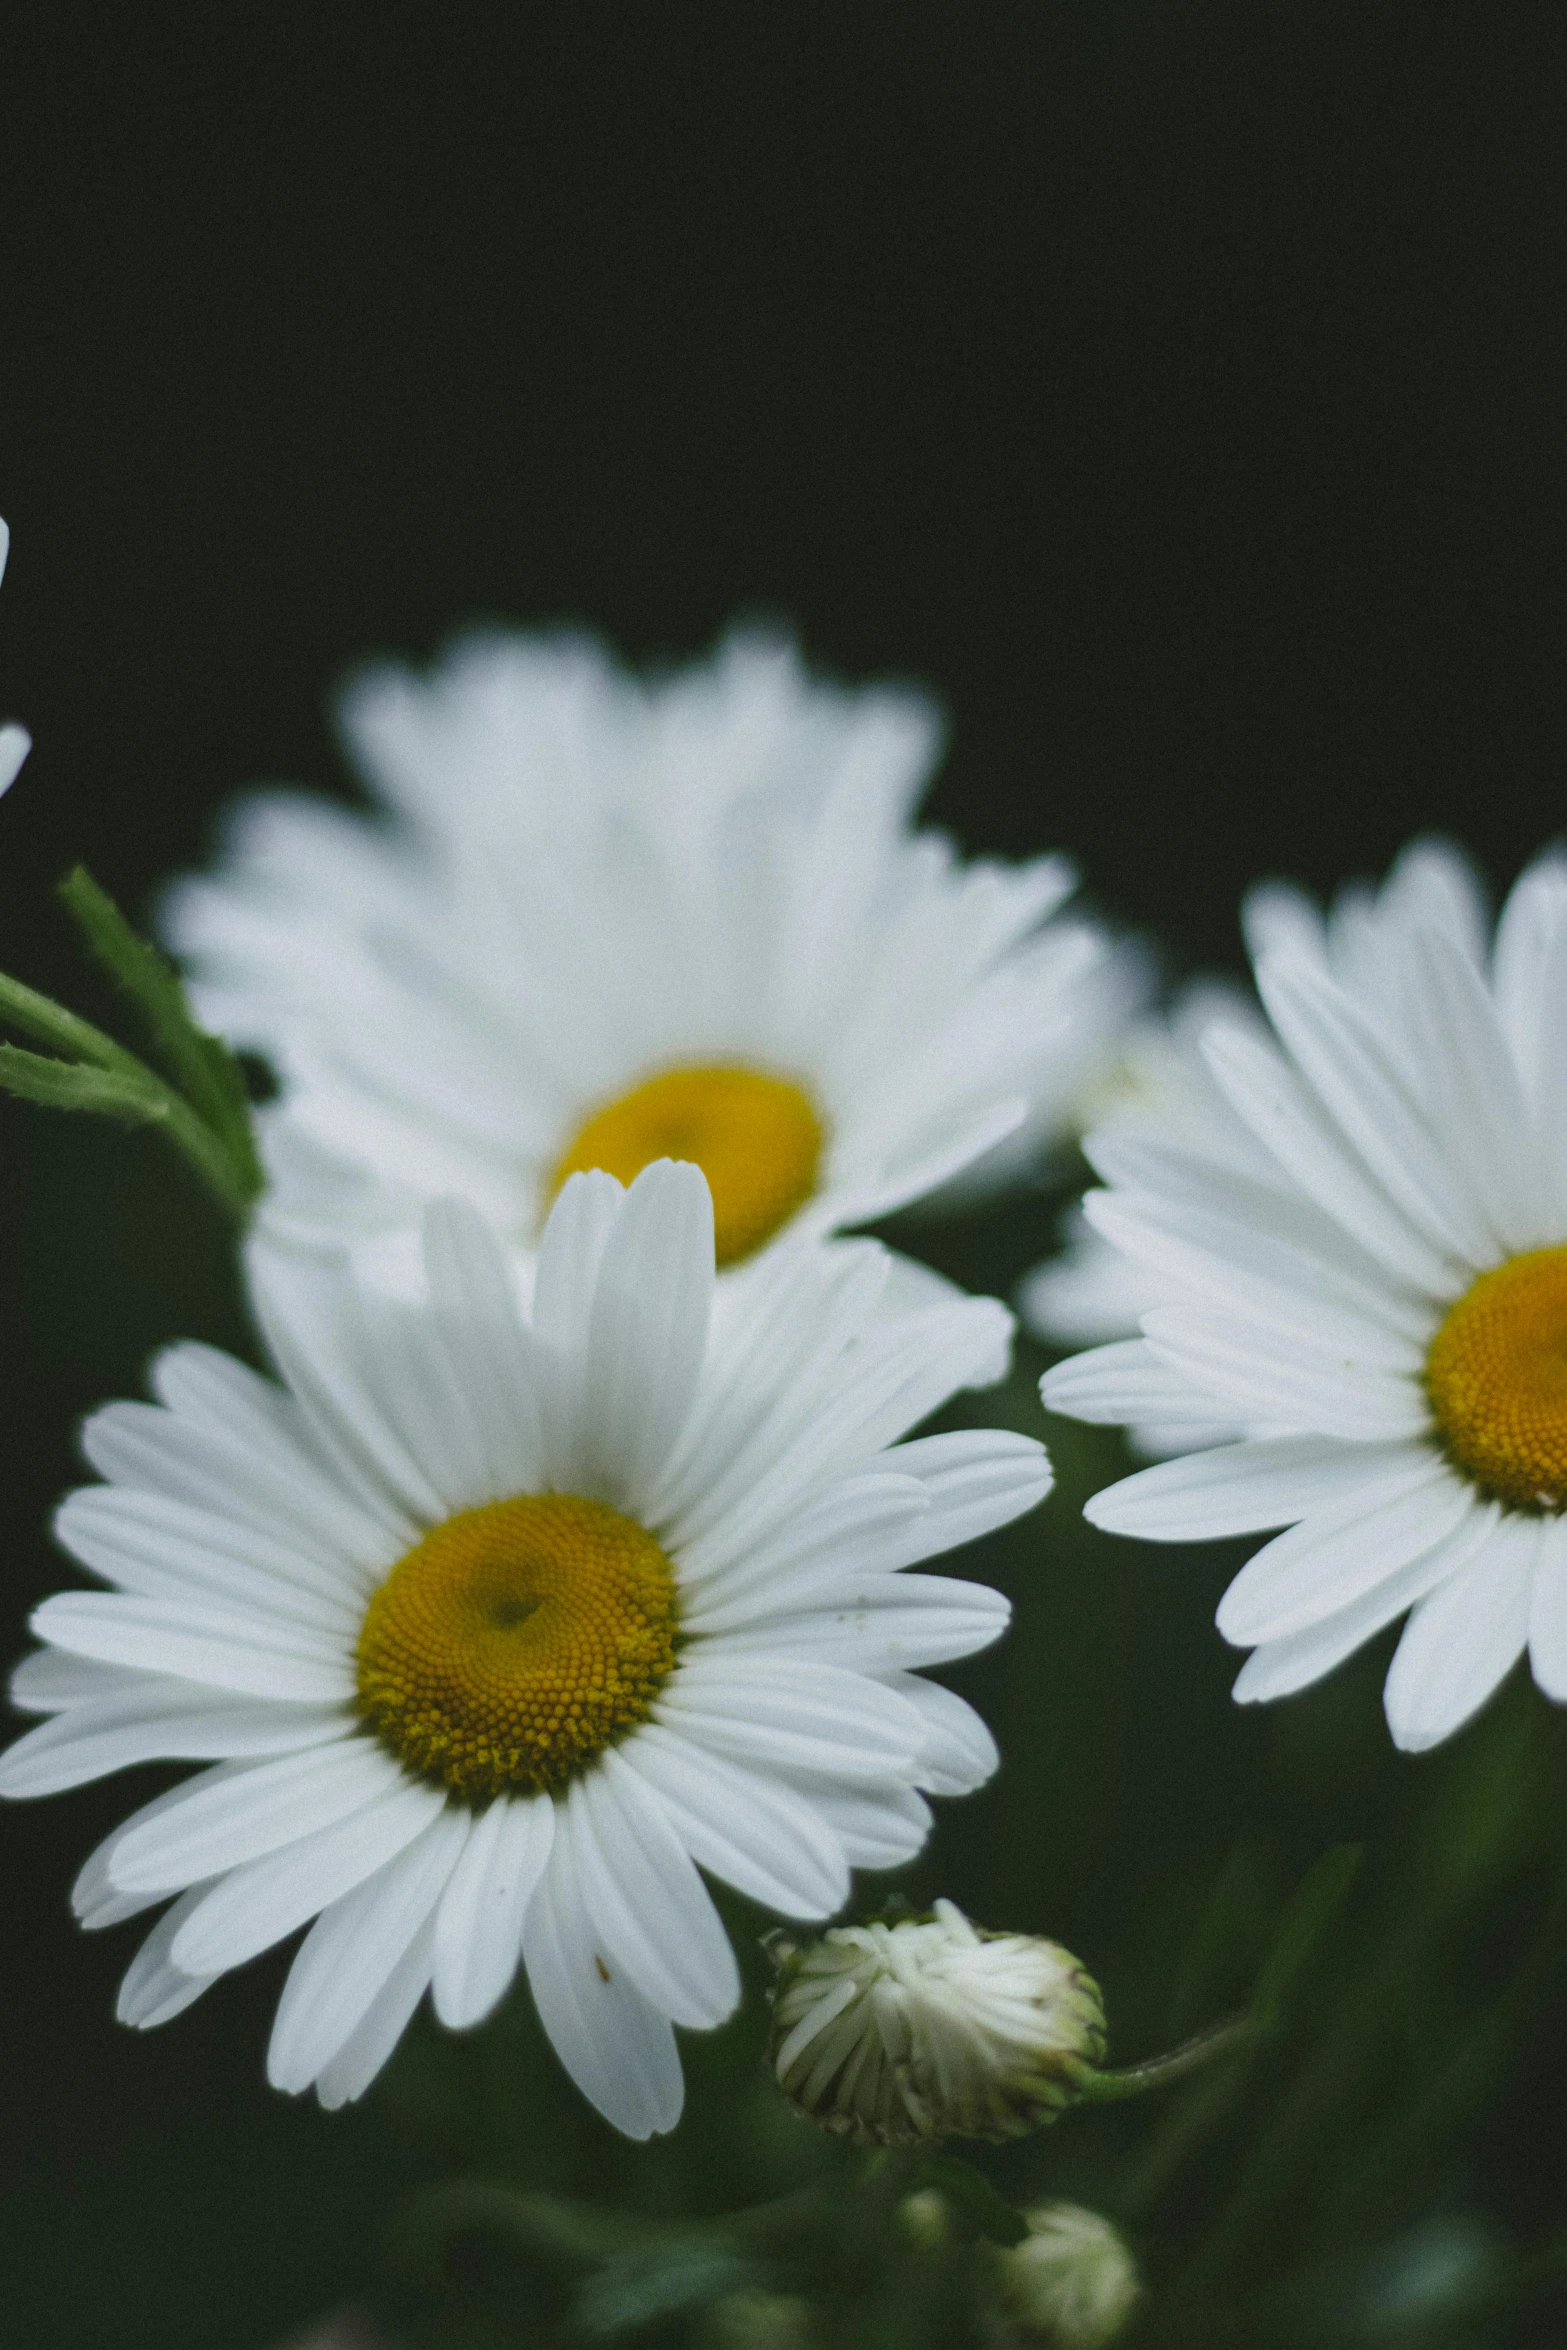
[
  {"x": 1071, "y": 2283},
  {"x": 918, "y": 2029}
]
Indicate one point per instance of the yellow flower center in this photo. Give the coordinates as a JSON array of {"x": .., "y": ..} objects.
[
  {"x": 516, "y": 1642},
  {"x": 1497, "y": 1379},
  {"x": 756, "y": 1138}
]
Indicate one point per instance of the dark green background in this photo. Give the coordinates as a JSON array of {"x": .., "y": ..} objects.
[{"x": 1177, "y": 389}]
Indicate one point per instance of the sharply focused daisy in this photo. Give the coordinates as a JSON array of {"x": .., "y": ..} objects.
[
  {"x": 1365, "y": 1247},
  {"x": 496, "y": 1629},
  {"x": 15, "y": 741},
  {"x": 598, "y": 922}
]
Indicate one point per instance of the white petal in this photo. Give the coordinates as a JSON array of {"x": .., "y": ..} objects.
[
  {"x": 1279, "y": 1667},
  {"x": 1462, "y": 1640},
  {"x": 868, "y": 1515},
  {"x": 1243, "y": 1488},
  {"x": 879, "y": 1827},
  {"x": 163, "y": 1549},
  {"x": 93, "y": 1896},
  {"x": 958, "y": 1753},
  {"x": 1347, "y": 1065},
  {"x": 1220, "y": 1258},
  {"x": 653, "y": 1915},
  {"x": 617, "y": 2048},
  {"x": 154, "y": 1990},
  {"x": 50, "y": 1680},
  {"x": 473, "y": 1297},
  {"x": 1258, "y": 1374},
  {"x": 1475, "y": 1095},
  {"x": 570, "y": 1253},
  {"x": 158, "y": 1721},
  {"x": 350, "y": 1953},
  {"x": 220, "y": 1824},
  {"x": 257, "y": 1904},
  {"x": 751, "y": 1830},
  {"x": 327, "y": 1341},
  {"x": 15, "y": 743},
  {"x": 808, "y": 1717},
  {"x": 976, "y": 1479},
  {"x": 647, "y": 1334},
  {"x": 478, "y": 1927},
  {"x": 1272, "y": 1102},
  {"x": 1548, "y": 1611},
  {"x": 878, "y": 1624},
  {"x": 1123, "y": 1383},
  {"x": 282, "y": 1493},
  {"x": 352, "y": 2070},
  {"x": 225, "y": 1648},
  {"x": 1339, "y": 1551}
]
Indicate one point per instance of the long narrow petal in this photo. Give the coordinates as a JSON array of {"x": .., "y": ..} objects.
[
  {"x": 1279, "y": 1667},
  {"x": 653, "y": 1914},
  {"x": 750, "y": 1829},
  {"x": 159, "y": 1721},
  {"x": 352, "y": 1950},
  {"x": 1243, "y": 1488},
  {"x": 1339, "y": 1551},
  {"x": 1463, "y": 1639},
  {"x": 647, "y": 1335},
  {"x": 222, "y": 1823},
  {"x": 617, "y": 2048},
  {"x": 256, "y": 1905},
  {"x": 478, "y": 1926}
]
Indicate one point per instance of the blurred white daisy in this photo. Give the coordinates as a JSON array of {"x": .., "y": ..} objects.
[
  {"x": 599, "y": 921},
  {"x": 15, "y": 741},
  {"x": 495, "y": 1630},
  {"x": 1367, "y": 1250}
]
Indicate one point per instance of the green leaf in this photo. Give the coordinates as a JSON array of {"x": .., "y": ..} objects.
[
  {"x": 975, "y": 2197},
  {"x": 202, "y": 1065},
  {"x": 637, "y": 2288},
  {"x": 1308, "y": 1913},
  {"x": 135, "y": 1100}
]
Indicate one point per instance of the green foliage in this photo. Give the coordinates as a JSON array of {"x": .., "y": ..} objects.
[{"x": 200, "y": 1104}]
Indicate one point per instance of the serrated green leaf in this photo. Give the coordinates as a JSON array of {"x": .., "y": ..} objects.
[
  {"x": 202, "y": 1065},
  {"x": 68, "y": 1085}
]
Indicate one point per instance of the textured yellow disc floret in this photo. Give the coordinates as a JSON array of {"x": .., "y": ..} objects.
[
  {"x": 516, "y": 1642},
  {"x": 756, "y": 1138},
  {"x": 1497, "y": 1379}
]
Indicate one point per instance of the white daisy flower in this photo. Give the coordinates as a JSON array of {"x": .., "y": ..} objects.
[
  {"x": 15, "y": 741},
  {"x": 598, "y": 921},
  {"x": 495, "y": 1630},
  {"x": 915, "y": 2029},
  {"x": 1368, "y": 1251}
]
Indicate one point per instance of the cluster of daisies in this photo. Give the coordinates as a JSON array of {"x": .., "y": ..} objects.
[{"x": 565, "y": 1560}]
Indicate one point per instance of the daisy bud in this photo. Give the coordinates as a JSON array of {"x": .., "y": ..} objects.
[
  {"x": 923, "y": 2028},
  {"x": 1071, "y": 2283}
]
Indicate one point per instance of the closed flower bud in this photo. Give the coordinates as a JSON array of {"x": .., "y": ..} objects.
[
  {"x": 1071, "y": 2283},
  {"x": 925, "y": 2028}
]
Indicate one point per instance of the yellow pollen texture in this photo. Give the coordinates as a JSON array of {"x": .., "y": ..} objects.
[
  {"x": 516, "y": 1642},
  {"x": 756, "y": 1138},
  {"x": 1497, "y": 1379}
]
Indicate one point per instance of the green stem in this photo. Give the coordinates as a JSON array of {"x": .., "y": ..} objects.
[
  {"x": 41, "y": 1017},
  {"x": 1160, "y": 2072}
]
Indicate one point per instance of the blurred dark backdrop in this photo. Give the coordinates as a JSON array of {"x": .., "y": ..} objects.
[{"x": 1175, "y": 386}]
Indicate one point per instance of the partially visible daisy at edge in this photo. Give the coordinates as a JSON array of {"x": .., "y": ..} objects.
[
  {"x": 1365, "y": 1247},
  {"x": 15, "y": 741},
  {"x": 1091, "y": 1291},
  {"x": 496, "y": 1629},
  {"x": 597, "y": 920}
]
